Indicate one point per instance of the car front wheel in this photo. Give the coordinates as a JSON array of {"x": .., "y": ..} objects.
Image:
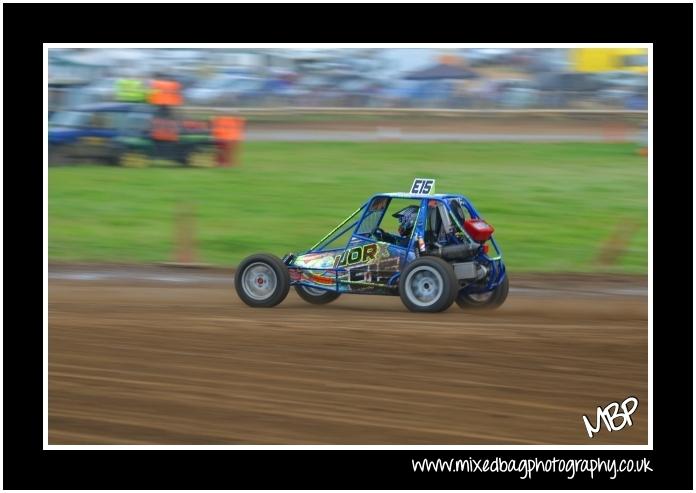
[{"x": 262, "y": 281}]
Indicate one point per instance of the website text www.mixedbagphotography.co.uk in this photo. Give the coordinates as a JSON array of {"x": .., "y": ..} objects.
[{"x": 527, "y": 467}]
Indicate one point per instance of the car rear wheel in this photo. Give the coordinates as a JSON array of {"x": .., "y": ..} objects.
[
  {"x": 485, "y": 301},
  {"x": 262, "y": 281},
  {"x": 316, "y": 296},
  {"x": 428, "y": 284}
]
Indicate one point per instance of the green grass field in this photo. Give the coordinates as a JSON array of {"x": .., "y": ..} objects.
[{"x": 554, "y": 206}]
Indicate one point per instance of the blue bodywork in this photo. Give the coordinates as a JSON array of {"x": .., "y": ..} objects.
[
  {"x": 80, "y": 126},
  {"x": 366, "y": 264}
]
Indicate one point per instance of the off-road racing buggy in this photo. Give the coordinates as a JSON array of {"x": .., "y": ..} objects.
[{"x": 439, "y": 254}]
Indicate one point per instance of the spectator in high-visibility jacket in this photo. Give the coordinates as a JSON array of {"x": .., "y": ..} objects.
[
  {"x": 227, "y": 132},
  {"x": 165, "y": 134},
  {"x": 165, "y": 129},
  {"x": 165, "y": 93},
  {"x": 131, "y": 91},
  {"x": 227, "y": 128}
]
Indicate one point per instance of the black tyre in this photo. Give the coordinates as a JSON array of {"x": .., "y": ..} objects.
[
  {"x": 316, "y": 296},
  {"x": 428, "y": 284},
  {"x": 485, "y": 301},
  {"x": 262, "y": 281}
]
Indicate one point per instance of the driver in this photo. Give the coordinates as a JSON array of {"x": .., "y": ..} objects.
[{"x": 407, "y": 219}]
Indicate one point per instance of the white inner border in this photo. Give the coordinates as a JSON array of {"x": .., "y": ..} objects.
[{"x": 649, "y": 446}]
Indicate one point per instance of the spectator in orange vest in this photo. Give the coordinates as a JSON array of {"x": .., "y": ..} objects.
[
  {"x": 165, "y": 134},
  {"x": 227, "y": 133},
  {"x": 165, "y": 129},
  {"x": 165, "y": 93}
]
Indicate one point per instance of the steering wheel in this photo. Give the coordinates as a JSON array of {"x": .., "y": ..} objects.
[{"x": 379, "y": 234}]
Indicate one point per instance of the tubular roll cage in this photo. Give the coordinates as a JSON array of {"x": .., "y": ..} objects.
[{"x": 495, "y": 264}]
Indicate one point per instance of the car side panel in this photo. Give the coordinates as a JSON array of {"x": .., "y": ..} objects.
[{"x": 364, "y": 266}]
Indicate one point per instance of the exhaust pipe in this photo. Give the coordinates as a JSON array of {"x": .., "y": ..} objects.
[{"x": 454, "y": 252}]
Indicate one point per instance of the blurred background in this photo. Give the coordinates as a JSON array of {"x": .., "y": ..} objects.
[
  {"x": 374, "y": 78},
  {"x": 281, "y": 144}
]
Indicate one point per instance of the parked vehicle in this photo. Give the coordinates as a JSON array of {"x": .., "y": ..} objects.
[
  {"x": 417, "y": 94},
  {"x": 518, "y": 94},
  {"x": 629, "y": 80},
  {"x": 117, "y": 134},
  {"x": 224, "y": 90},
  {"x": 488, "y": 56},
  {"x": 86, "y": 133}
]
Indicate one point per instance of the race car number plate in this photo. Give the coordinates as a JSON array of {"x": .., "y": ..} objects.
[{"x": 423, "y": 186}]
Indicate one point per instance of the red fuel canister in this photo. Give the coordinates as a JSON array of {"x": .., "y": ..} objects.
[{"x": 478, "y": 229}]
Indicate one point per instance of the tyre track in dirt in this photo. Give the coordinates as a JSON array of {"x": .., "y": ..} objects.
[{"x": 188, "y": 363}]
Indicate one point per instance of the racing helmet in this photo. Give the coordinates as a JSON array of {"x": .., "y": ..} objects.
[{"x": 407, "y": 219}]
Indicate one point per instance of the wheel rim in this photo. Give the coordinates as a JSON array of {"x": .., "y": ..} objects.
[
  {"x": 259, "y": 281},
  {"x": 312, "y": 291},
  {"x": 424, "y": 286}
]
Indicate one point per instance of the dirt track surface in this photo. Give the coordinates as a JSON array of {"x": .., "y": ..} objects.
[{"x": 141, "y": 360}]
